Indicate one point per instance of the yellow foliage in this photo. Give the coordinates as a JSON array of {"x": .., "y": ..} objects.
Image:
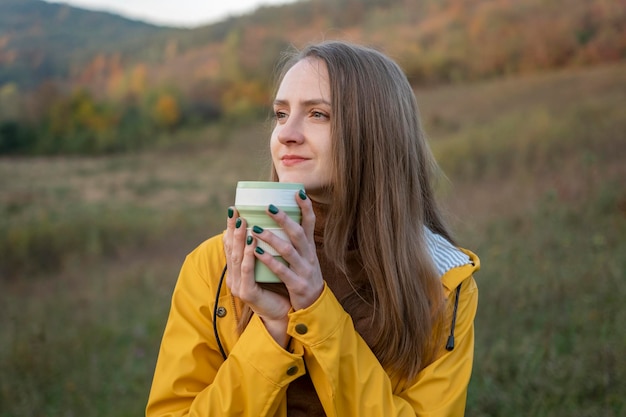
[
  {"x": 138, "y": 79},
  {"x": 245, "y": 97},
  {"x": 166, "y": 111}
]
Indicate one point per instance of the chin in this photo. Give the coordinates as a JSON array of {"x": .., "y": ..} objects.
[{"x": 291, "y": 178}]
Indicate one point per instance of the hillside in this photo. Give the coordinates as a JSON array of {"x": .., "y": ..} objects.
[
  {"x": 435, "y": 40},
  {"x": 73, "y": 81},
  {"x": 40, "y": 40}
]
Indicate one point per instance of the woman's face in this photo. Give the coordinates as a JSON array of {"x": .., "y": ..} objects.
[{"x": 301, "y": 143}]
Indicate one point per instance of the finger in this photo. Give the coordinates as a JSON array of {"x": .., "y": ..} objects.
[
  {"x": 235, "y": 256},
  {"x": 279, "y": 269},
  {"x": 300, "y": 268},
  {"x": 238, "y": 241},
  {"x": 299, "y": 242},
  {"x": 231, "y": 218},
  {"x": 308, "y": 216},
  {"x": 289, "y": 248},
  {"x": 227, "y": 237},
  {"x": 247, "y": 279},
  {"x": 307, "y": 221}
]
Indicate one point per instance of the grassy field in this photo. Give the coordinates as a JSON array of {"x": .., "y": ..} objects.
[{"x": 90, "y": 249}]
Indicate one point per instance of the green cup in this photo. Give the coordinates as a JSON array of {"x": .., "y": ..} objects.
[{"x": 252, "y": 199}]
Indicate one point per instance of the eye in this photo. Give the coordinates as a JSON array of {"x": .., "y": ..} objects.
[
  {"x": 319, "y": 115},
  {"x": 280, "y": 115}
]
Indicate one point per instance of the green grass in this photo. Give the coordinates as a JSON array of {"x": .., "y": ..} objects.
[
  {"x": 550, "y": 334},
  {"x": 84, "y": 344},
  {"x": 93, "y": 247}
]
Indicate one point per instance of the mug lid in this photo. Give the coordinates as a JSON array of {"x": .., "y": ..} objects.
[{"x": 271, "y": 185}]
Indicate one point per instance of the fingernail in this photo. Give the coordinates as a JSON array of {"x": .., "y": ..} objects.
[
  {"x": 302, "y": 194},
  {"x": 259, "y": 250},
  {"x": 273, "y": 209},
  {"x": 249, "y": 240},
  {"x": 257, "y": 229},
  {"x": 238, "y": 223},
  {"x": 231, "y": 212}
]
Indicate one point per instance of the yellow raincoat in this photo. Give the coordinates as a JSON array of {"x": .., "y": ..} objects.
[{"x": 193, "y": 379}]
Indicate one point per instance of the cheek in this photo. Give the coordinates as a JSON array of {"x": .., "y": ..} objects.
[
  {"x": 273, "y": 146},
  {"x": 328, "y": 156}
]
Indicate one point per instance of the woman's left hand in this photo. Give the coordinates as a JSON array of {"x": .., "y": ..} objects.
[{"x": 303, "y": 277}]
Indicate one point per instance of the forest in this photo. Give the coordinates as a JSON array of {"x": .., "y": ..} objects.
[{"x": 126, "y": 85}]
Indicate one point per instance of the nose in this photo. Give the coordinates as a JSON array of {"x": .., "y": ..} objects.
[{"x": 290, "y": 132}]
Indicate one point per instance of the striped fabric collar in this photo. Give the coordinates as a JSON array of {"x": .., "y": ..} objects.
[{"x": 445, "y": 255}]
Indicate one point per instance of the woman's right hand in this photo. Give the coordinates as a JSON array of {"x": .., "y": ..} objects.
[{"x": 271, "y": 307}]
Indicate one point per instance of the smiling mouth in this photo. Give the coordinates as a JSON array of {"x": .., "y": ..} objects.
[{"x": 291, "y": 160}]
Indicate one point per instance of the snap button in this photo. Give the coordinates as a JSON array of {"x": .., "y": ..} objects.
[
  {"x": 301, "y": 328},
  {"x": 221, "y": 311},
  {"x": 292, "y": 370}
]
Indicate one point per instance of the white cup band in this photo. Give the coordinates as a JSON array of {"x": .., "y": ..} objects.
[{"x": 265, "y": 197}]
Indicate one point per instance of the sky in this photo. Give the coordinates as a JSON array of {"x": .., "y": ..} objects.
[{"x": 181, "y": 13}]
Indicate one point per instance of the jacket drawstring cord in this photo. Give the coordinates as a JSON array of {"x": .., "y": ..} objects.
[
  {"x": 215, "y": 307},
  {"x": 450, "y": 343}
]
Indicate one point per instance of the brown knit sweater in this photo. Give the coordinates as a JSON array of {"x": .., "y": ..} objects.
[{"x": 302, "y": 400}]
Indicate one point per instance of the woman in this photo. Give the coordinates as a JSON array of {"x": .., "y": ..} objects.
[{"x": 376, "y": 314}]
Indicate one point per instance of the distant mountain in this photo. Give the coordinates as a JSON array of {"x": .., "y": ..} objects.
[
  {"x": 435, "y": 41},
  {"x": 73, "y": 80},
  {"x": 40, "y": 40}
]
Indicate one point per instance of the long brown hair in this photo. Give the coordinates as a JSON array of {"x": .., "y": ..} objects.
[{"x": 382, "y": 197}]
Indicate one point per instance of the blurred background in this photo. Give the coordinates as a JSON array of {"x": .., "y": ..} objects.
[{"x": 121, "y": 142}]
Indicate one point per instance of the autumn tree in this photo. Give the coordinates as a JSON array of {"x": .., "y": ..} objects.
[{"x": 166, "y": 111}]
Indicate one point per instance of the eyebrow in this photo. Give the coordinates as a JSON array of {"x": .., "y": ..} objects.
[{"x": 311, "y": 102}]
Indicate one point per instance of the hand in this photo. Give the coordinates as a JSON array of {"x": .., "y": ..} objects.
[
  {"x": 303, "y": 277},
  {"x": 271, "y": 307}
]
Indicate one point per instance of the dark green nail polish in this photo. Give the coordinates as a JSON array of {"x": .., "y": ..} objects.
[
  {"x": 238, "y": 223},
  {"x": 302, "y": 194},
  {"x": 257, "y": 229},
  {"x": 273, "y": 209},
  {"x": 231, "y": 212},
  {"x": 249, "y": 240},
  {"x": 259, "y": 250}
]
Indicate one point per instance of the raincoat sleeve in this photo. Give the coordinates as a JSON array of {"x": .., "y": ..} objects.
[
  {"x": 191, "y": 378},
  {"x": 351, "y": 382}
]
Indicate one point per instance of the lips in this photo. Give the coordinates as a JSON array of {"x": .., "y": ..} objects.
[{"x": 291, "y": 160}]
